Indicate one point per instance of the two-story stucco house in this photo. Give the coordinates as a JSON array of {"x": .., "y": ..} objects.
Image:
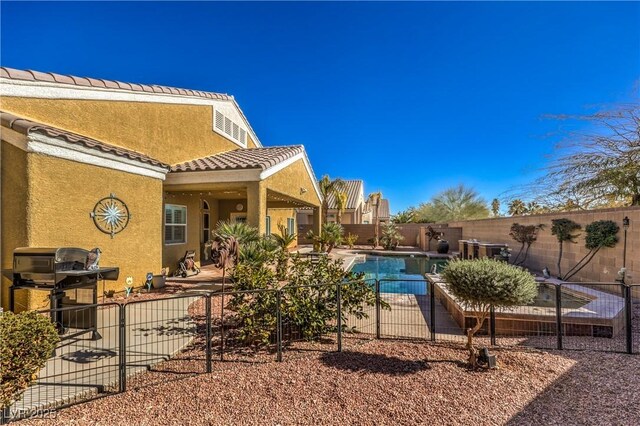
[{"x": 179, "y": 160}]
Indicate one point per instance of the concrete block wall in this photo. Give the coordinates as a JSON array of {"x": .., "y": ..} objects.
[
  {"x": 544, "y": 252},
  {"x": 413, "y": 233}
]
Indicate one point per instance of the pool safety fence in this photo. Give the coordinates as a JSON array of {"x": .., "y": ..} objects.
[{"x": 196, "y": 333}]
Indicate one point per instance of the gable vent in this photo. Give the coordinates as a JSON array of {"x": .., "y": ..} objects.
[{"x": 229, "y": 128}]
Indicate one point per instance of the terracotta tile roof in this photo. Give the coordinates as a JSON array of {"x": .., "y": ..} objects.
[
  {"x": 251, "y": 158},
  {"x": 353, "y": 188},
  {"x": 26, "y": 127},
  {"x": 50, "y": 77}
]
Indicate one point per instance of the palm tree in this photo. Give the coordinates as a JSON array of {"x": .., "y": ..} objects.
[
  {"x": 374, "y": 200},
  {"x": 517, "y": 207},
  {"x": 453, "y": 204},
  {"x": 242, "y": 232},
  {"x": 328, "y": 187},
  {"x": 341, "y": 205},
  {"x": 283, "y": 240},
  {"x": 495, "y": 207}
]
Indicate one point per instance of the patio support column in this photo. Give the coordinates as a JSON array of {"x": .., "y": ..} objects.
[
  {"x": 257, "y": 205},
  {"x": 317, "y": 220}
]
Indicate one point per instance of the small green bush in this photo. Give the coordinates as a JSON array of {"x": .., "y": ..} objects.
[{"x": 27, "y": 340}]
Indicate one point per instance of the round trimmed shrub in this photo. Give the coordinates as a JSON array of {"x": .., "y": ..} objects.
[{"x": 27, "y": 340}]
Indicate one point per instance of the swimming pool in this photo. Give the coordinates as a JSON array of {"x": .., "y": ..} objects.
[
  {"x": 404, "y": 271},
  {"x": 401, "y": 269}
]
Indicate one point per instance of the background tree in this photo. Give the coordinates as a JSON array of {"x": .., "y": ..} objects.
[
  {"x": 601, "y": 233},
  {"x": 453, "y": 204},
  {"x": 404, "y": 216},
  {"x": 341, "y": 204},
  {"x": 329, "y": 187},
  {"x": 564, "y": 229},
  {"x": 495, "y": 207},
  {"x": 482, "y": 283},
  {"x": 598, "y": 167}
]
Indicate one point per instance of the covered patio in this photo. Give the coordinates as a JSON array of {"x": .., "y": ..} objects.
[{"x": 259, "y": 186}]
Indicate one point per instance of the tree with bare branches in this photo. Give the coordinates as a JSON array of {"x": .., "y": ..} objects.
[{"x": 597, "y": 167}]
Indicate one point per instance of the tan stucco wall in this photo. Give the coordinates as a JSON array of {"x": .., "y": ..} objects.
[
  {"x": 173, "y": 252},
  {"x": 168, "y": 132},
  {"x": 226, "y": 207},
  {"x": 13, "y": 178},
  {"x": 290, "y": 180},
  {"x": 60, "y": 196},
  {"x": 280, "y": 216}
]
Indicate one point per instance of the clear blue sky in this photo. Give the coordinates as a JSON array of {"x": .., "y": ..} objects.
[{"x": 410, "y": 97}]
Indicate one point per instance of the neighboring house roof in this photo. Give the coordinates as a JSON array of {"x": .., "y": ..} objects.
[
  {"x": 27, "y": 127},
  {"x": 51, "y": 77},
  {"x": 383, "y": 209},
  {"x": 354, "y": 190},
  {"x": 239, "y": 159}
]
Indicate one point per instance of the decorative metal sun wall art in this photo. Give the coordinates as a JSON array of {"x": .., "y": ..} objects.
[{"x": 111, "y": 215}]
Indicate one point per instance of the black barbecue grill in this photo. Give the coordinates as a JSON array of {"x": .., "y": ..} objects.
[{"x": 61, "y": 272}]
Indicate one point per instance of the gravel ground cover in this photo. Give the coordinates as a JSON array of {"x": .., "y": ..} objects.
[{"x": 380, "y": 382}]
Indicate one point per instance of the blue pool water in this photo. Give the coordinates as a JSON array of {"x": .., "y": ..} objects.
[{"x": 401, "y": 269}]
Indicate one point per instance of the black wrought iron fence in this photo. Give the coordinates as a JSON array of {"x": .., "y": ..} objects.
[
  {"x": 104, "y": 347},
  {"x": 85, "y": 363}
]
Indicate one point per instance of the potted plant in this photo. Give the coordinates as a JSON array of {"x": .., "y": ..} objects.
[{"x": 160, "y": 280}]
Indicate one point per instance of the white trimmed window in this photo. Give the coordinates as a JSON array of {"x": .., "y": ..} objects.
[
  {"x": 268, "y": 225},
  {"x": 291, "y": 224},
  {"x": 229, "y": 128},
  {"x": 175, "y": 224}
]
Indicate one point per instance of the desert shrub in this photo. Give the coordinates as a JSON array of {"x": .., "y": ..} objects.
[
  {"x": 482, "y": 283},
  {"x": 308, "y": 301},
  {"x": 350, "y": 240},
  {"x": 330, "y": 236},
  {"x": 283, "y": 240},
  {"x": 525, "y": 235},
  {"x": 27, "y": 340},
  {"x": 391, "y": 236},
  {"x": 601, "y": 233},
  {"x": 565, "y": 231}
]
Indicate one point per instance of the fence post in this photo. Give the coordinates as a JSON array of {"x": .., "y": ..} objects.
[
  {"x": 559, "y": 314},
  {"x": 278, "y": 326},
  {"x": 492, "y": 325},
  {"x": 222, "y": 325},
  {"x": 122, "y": 361},
  {"x": 628, "y": 317},
  {"x": 207, "y": 311},
  {"x": 377, "y": 308},
  {"x": 339, "y": 306},
  {"x": 5, "y": 415},
  {"x": 432, "y": 307}
]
